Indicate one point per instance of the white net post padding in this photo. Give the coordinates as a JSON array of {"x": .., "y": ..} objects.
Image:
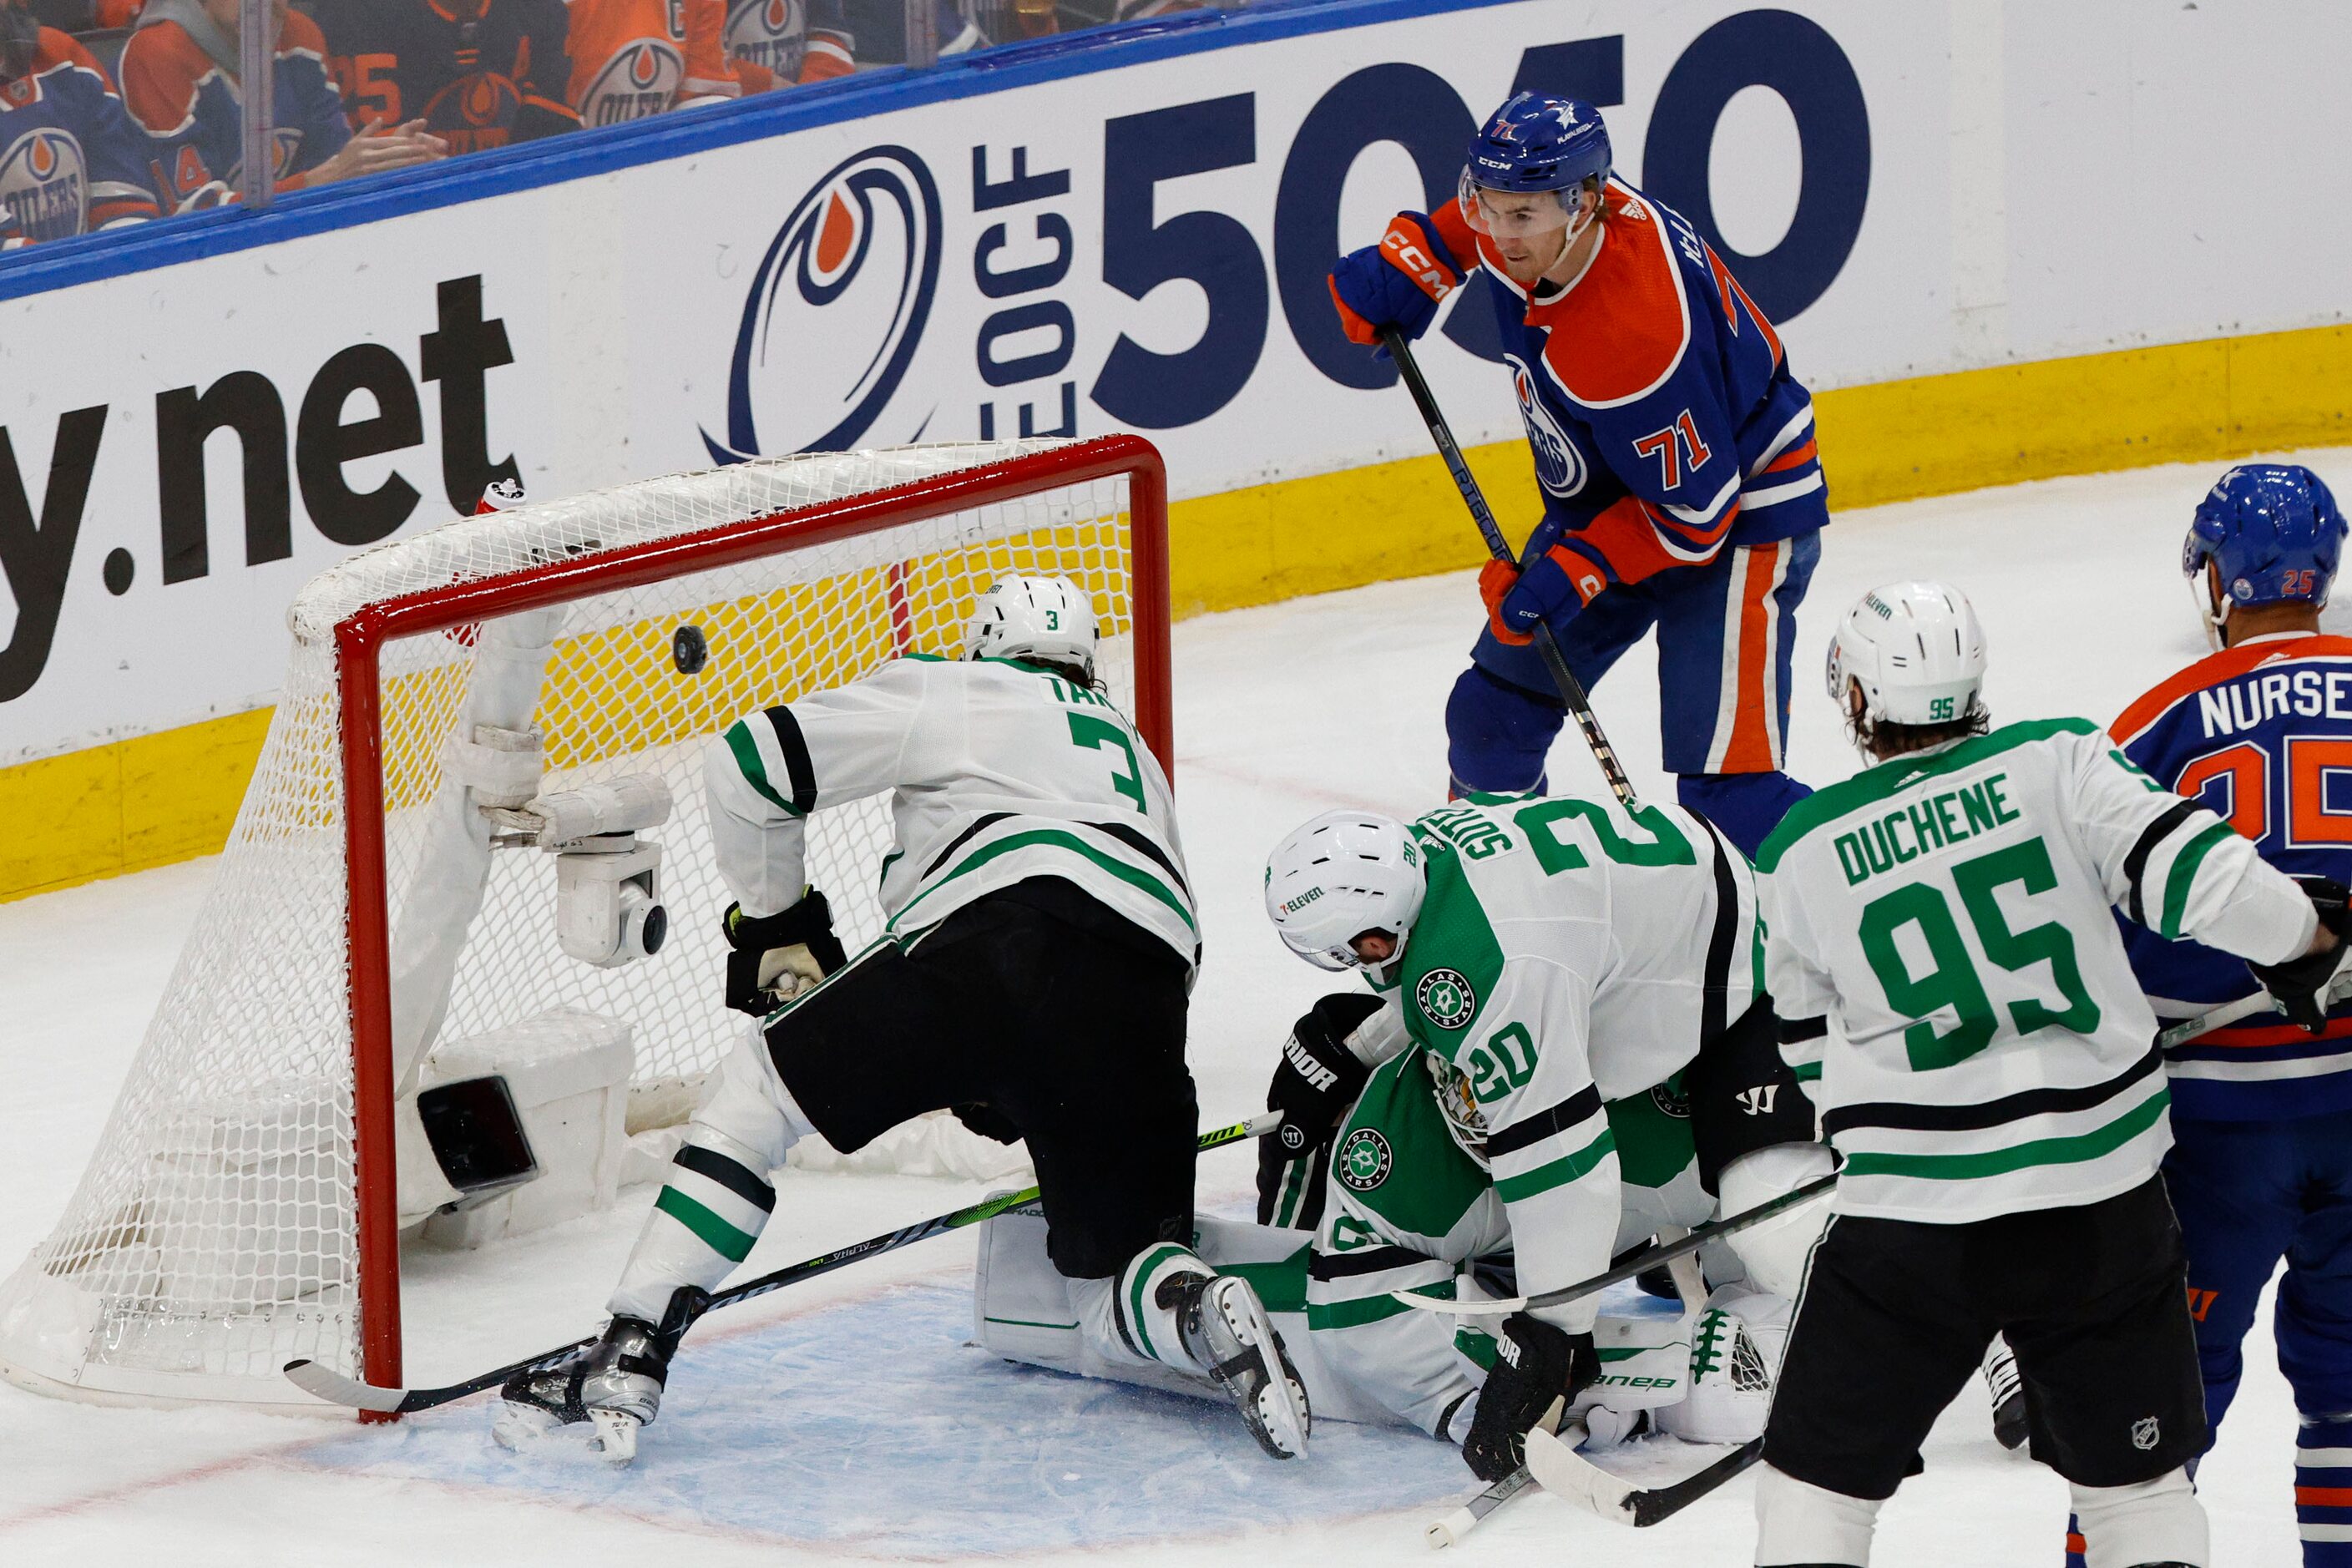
[{"x": 214, "y": 1234}]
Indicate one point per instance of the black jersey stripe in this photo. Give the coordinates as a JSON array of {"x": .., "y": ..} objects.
[
  {"x": 1714, "y": 1000},
  {"x": 790, "y": 742},
  {"x": 1989, "y": 1113},
  {"x": 1370, "y": 1260},
  {"x": 1797, "y": 1031},
  {"x": 733, "y": 1175},
  {"x": 966, "y": 837},
  {"x": 2136, "y": 863},
  {"x": 1141, "y": 844},
  {"x": 1577, "y": 1109}
]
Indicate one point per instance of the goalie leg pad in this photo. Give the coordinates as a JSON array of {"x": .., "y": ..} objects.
[
  {"x": 1800, "y": 1524},
  {"x": 2158, "y": 1521}
]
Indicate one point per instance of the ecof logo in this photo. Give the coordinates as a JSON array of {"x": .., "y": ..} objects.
[
  {"x": 1559, "y": 467},
  {"x": 836, "y": 311},
  {"x": 2145, "y": 1434},
  {"x": 1445, "y": 998},
  {"x": 1364, "y": 1160},
  {"x": 45, "y": 185}
]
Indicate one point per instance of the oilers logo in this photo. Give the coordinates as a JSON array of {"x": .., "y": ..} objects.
[
  {"x": 638, "y": 82},
  {"x": 771, "y": 33},
  {"x": 45, "y": 185},
  {"x": 836, "y": 311},
  {"x": 1559, "y": 466}
]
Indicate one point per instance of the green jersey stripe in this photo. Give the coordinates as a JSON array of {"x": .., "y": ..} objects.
[
  {"x": 2184, "y": 877},
  {"x": 722, "y": 1238},
  {"x": 2071, "y": 1150},
  {"x": 1825, "y": 806},
  {"x": 1370, "y": 1310},
  {"x": 755, "y": 772},
  {"x": 1138, "y": 1273},
  {"x": 1055, "y": 839},
  {"x": 1560, "y": 1171}
]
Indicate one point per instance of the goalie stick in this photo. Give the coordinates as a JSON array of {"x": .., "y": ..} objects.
[
  {"x": 1572, "y": 690},
  {"x": 1449, "y": 1530},
  {"x": 1557, "y": 1467},
  {"x": 325, "y": 1382}
]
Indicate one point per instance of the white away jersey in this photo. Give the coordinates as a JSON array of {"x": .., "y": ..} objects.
[
  {"x": 1567, "y": 953},
  {"x": 999, "y": 771},
  {"x": 1984, "y": 1046}
]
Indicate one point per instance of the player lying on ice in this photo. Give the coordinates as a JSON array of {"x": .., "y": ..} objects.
[
  {"x": 1940, "y": 937},
  {"x": 1569, "y": 1051},
  {"x": 1040, "y": 946},
  {"x": 1672, "y": 447},
  {"x": 2260, "y": 1163}
]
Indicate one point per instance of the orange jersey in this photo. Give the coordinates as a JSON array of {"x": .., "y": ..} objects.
[{"x": 631, "y": 59}]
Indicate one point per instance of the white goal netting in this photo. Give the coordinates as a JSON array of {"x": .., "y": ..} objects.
[{"x": 212, "y": 1236}]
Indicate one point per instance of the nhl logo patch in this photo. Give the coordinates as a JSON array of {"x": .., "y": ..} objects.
[
  {"x": 2145, "y": 1432},
  {"x": 1445, "y": 998},
  {"x": 1364, "y": 1160}
]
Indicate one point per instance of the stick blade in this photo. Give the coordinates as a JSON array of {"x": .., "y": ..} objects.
[
  {"x": 325, "y": 1382},
  {"x": 1470, "y": 1307},
  {"x": 1558, "y": 1469}
]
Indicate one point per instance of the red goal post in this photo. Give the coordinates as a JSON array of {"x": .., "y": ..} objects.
[{"x": 1101, "y": 504}]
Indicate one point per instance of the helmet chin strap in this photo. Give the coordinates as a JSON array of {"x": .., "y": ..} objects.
[{"x": 1569, "y": 235}]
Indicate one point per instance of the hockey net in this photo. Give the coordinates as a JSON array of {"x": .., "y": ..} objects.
[{"x": 241, "y": 1208}]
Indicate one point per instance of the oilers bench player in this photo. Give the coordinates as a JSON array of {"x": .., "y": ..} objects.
[
  {"x": 1543, "y": 959},
  {"x": 2261, "y": 1164},
  {"x": 1040, "y": 946},
  {"x": 1938, "y": 936},
  {"x": 1673, "y": 448}
]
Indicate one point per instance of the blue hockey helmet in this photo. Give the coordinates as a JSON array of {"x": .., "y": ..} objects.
[
  {"x": 2271, "y": 533},
  {"x": 1534, "y": 145}
]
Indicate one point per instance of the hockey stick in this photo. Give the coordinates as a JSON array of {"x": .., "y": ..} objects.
[
  {"x": 1557, "y": 1467},
  {"x": 1572, "y": 690},
  {"x": 1640, "y": 1263},
  {"x": 324, "y": 1383},
  {"x": 1449, "y": 1530}
]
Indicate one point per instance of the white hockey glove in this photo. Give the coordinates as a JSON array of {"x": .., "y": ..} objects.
[{"x": 776, "y": 957}]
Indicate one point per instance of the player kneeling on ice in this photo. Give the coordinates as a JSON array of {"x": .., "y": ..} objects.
[
  {"x": 1941, "y": 923},
  {"x": 1040, "y": 944},
  {"x": 1571, "y": 1055}
]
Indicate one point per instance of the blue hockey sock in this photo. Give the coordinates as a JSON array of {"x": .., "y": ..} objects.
[
  {"x": 1498, "y": 735},
  {"x": 2323, "y": 1490},
  {"x": 1746, "y": 806},
  {"x": 2074, "y": 1543}
]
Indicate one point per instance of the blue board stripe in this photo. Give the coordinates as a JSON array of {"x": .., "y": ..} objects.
[{"x": 87, "y": 258}]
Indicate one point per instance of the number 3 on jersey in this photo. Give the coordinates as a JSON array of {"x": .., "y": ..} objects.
[
  {"x": 1952, "y": 980},
  {"x": 1101, "y": 735}
]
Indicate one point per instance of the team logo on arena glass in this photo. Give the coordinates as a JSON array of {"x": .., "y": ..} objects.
[
  {"x": 1364, "y": 1160},
  {"x": 1445, "y": 998},
  {"x": 835, "y": 312}
]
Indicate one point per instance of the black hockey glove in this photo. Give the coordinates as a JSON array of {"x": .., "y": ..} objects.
[
  {"x": 2301, "y": 985},
  {"x": 778, "y": 956},
  {"x": 1318, "y": 1079},
  {"x": 1538, "y": 1370},
  {"x": 988, "y": 1121}
]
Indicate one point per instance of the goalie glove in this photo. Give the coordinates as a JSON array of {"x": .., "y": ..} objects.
[
  {"x": 1319, "y": 1079},
  {"x": 776, "y": 957},
  {"x": 1539, "y": 1368},
  {"x": 2304, "y": 987}
]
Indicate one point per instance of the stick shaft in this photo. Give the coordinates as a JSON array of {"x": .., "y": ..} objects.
[{"x": 1572, "y": 690}]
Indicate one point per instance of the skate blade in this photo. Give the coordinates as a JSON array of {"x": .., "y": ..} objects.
[
  {"x": 1278, "y": 1413},
  {"x": 616, "y": 1436}
]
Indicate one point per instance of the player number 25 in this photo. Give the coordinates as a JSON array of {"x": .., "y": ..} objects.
[{"x": 1953, "y": 980}]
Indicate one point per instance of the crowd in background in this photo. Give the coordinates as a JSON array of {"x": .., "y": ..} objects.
[{"x": 121, "y": 111}]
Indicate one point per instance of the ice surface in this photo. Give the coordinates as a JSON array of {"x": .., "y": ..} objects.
[{"x": 845, "y": 1418}]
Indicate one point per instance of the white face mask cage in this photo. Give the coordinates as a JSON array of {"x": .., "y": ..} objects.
[{"x": 1459, "y": 1106}]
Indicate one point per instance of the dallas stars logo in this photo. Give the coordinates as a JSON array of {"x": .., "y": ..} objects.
[
  {"x": 1445, "y": 998},
  {"x": 1364, "y": 1160}
]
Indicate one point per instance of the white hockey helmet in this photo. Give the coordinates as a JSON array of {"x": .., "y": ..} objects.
[
  {"x": 1046, "y": 619},
  {"x": 1338, "y": 876},
  {"x": 1916, "y": 652}
]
